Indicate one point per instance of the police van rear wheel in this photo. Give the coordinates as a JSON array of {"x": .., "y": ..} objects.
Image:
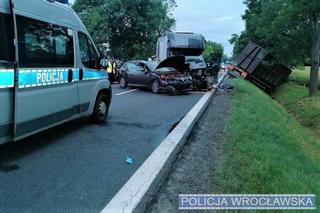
[{"x": 101, "y": 109}]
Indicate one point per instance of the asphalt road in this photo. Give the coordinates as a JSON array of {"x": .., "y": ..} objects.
[{"x": 78, "y": 166}]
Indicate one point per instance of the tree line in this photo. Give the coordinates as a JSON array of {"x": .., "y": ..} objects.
[
  {"x": 129, "y": 28},
  {"x": 287, "y": 29}
]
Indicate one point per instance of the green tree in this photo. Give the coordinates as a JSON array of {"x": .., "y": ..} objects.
[
  {"x": 131, "y": 27},
  {"x": 213, "y": 48},
  {"x": 309, "y": 14},
  {"x": 287, "y": 29}
]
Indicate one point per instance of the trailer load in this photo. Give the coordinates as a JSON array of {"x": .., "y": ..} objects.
[
  {"x": 180, "y": 44},
  {"x": 261, "y": 68}
]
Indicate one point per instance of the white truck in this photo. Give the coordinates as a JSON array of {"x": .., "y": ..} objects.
[{"x": 180, "y": 44}]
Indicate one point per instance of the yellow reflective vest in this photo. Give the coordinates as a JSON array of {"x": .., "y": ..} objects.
[{"x": 109, "y": 69}]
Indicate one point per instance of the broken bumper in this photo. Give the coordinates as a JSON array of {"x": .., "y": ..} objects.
[{"x": 181, "y": 86}]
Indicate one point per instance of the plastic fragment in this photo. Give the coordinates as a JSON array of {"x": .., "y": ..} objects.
[{"x": 129, "y": 160}]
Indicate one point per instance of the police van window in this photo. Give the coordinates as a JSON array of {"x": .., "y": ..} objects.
[
  {"x": 43, "y": 44},
  {"x": 89, "y": 55},
  {"x": 6, "y": 38},
  {"x": 84, "y": 50},
  {"x": 93, "y": 53}
]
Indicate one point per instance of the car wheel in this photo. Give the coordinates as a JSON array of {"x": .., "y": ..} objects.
[
  {"x": 123, "y": 82},
  {"x": 101, "y": 109},
  {"x": 155, "y": 87}
]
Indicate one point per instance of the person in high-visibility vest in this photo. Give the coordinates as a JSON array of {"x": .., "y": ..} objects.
[
  {"x": 111, "y": 70},
  {"x": 109, "y": 66},
  {"x": 115, "y": 70}
]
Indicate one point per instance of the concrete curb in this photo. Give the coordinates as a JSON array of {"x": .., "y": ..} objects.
[{"x": 135, "y": 195}]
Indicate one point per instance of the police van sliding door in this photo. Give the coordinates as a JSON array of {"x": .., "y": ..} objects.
[
  {"x": 6, "y": 74},
  {"x": 47, "y": 92}
]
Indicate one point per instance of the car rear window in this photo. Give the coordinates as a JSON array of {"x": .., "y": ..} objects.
[{"x": 6, "y": 38}]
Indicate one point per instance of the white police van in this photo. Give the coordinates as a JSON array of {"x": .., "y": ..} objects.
[{"x": 49, "y": 69}]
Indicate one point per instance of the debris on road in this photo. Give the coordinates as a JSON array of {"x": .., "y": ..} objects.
[
  {"x": 225, "y": 86},
  {"x": 203, "y": 154},
  {"x": 129, "y": 160}
]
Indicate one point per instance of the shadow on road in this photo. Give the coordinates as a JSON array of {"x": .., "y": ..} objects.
[{"x": 15, "y": 150}]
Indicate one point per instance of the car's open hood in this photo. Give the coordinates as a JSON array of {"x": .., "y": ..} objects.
[{"x": 177, "y": 62}]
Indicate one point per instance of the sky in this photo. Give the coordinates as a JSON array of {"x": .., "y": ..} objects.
[{"x": 215, "y": 19}]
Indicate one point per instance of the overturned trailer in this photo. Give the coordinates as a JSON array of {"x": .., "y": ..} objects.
[{"x": 261, "y": 68}]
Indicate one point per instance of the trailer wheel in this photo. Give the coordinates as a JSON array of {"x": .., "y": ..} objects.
[{"x": 101, "y": 109}]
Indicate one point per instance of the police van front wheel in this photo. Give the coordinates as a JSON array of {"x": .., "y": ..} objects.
[{"x": 101, "y": 109}]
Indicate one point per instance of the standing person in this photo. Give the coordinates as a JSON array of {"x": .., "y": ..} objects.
[
  {"x": 110, "y": 70},
  {"x": 114, "y": 70}
]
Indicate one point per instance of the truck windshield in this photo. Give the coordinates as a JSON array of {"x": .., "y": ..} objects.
[
  {"x": 6, "y": 39},
  {"x": 195, "y": 59}
]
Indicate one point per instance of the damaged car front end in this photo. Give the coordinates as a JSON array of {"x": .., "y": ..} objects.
[
  {"x": 169, "y": 75},
  {"x": 173, "y": 75},
  {"x": 173, "y": 81}
]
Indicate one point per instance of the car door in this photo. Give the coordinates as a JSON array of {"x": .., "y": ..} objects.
[
  {"x": 45, "y": 93},
  {"x": 139, "y": 74},
  {"x": 133, "y": 74},
  {"x": 6, "y": 76},
  {"x": 145, "y": 77}
]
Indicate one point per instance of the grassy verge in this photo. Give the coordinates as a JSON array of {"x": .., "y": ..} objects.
[
  {"x": 301, "y": 76},
  {"x": 267, "y": 150},
  {"x": 295, "y": 100}
]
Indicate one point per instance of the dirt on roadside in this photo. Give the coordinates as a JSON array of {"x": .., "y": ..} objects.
[{"x": 194, "y": 170}]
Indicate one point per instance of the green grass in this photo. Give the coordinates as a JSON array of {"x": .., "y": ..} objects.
[
  {"x": 267, "y": 150},
  {"x": 296, "y": 100},
  {"x": 301, "y": 76}
]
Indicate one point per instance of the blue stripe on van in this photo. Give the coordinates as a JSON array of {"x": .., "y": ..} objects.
[
  {"x": 6, "y": 78},
  {"x": 94, "y": 75},
  {"x": 42, "y": 77},
  {"x": 46, "y": 77}
]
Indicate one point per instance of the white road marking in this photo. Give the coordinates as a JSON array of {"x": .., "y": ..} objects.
[{"x": 122, "y": 93}]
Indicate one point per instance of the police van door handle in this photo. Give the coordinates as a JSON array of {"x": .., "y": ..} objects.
[
  {"x": 81, "y": 74},
  {"x": 70, "y": 75}
]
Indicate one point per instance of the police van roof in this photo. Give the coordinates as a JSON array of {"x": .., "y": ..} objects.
[{"x": 49, "y": 11}]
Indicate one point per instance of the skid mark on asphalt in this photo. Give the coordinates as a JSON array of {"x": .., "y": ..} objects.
[
  {"x": 137, "y": 125},
  {"x": 123, "y": 93}
]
